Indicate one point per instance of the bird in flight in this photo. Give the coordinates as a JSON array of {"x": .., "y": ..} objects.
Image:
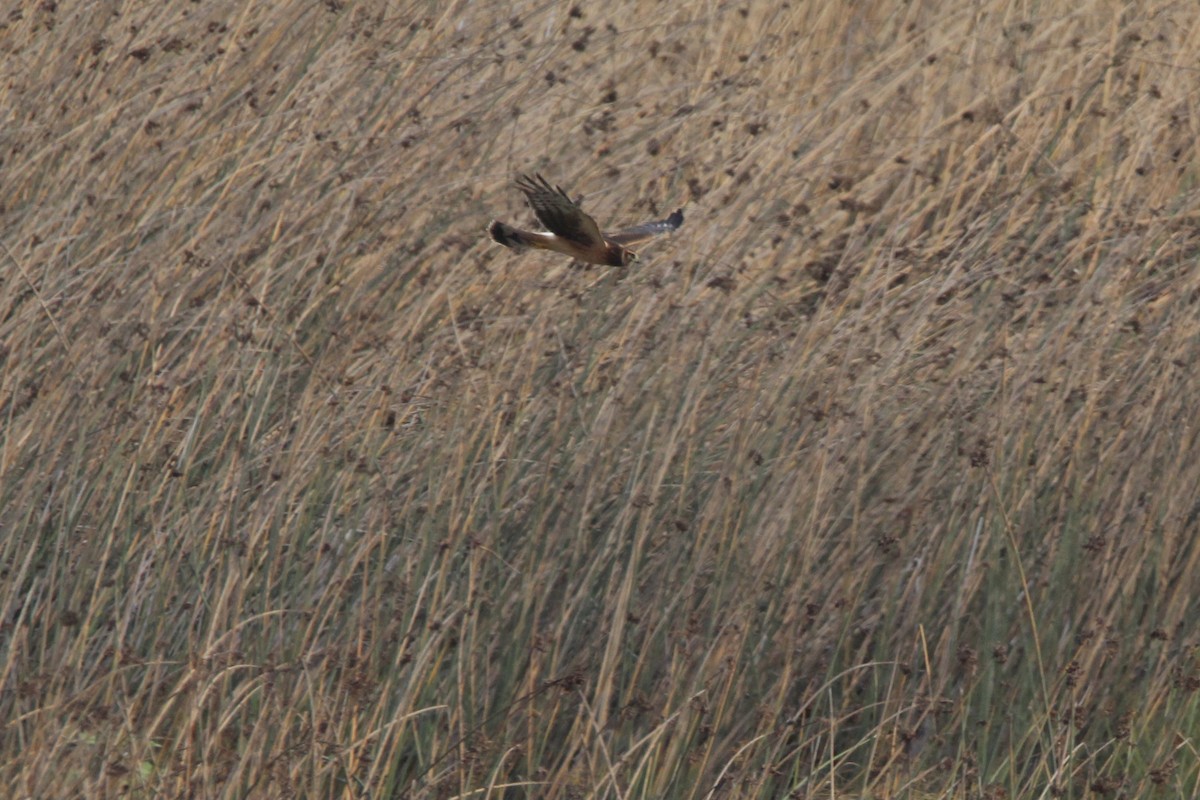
[{"x": 571, "y": 231}]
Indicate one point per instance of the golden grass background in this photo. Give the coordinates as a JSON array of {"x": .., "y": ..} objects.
[{"x": 878, "y": 479}]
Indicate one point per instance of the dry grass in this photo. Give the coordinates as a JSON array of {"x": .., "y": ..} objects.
[{"x": 877, "y": 480}]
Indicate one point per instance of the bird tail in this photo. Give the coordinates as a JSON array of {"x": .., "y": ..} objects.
[{"x": 507, "y": 235}]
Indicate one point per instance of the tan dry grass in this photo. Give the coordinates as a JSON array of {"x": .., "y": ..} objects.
[{"x": 879, "y": 478}]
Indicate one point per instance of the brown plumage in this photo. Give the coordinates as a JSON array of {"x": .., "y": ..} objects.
[{"x": 571, "y": 231}]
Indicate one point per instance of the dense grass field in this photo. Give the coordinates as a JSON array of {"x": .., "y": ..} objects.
[{"x": 879, "y": 479}]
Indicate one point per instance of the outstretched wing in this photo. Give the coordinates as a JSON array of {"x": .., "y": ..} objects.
[
  {"x": 558, "y": 213},
  {"x": 647, "y": 230}
]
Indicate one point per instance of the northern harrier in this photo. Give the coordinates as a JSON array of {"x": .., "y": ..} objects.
[{"x": 571, "y": 231}]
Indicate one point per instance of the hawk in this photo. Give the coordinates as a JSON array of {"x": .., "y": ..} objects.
[{"x": 571, "y": 231}]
